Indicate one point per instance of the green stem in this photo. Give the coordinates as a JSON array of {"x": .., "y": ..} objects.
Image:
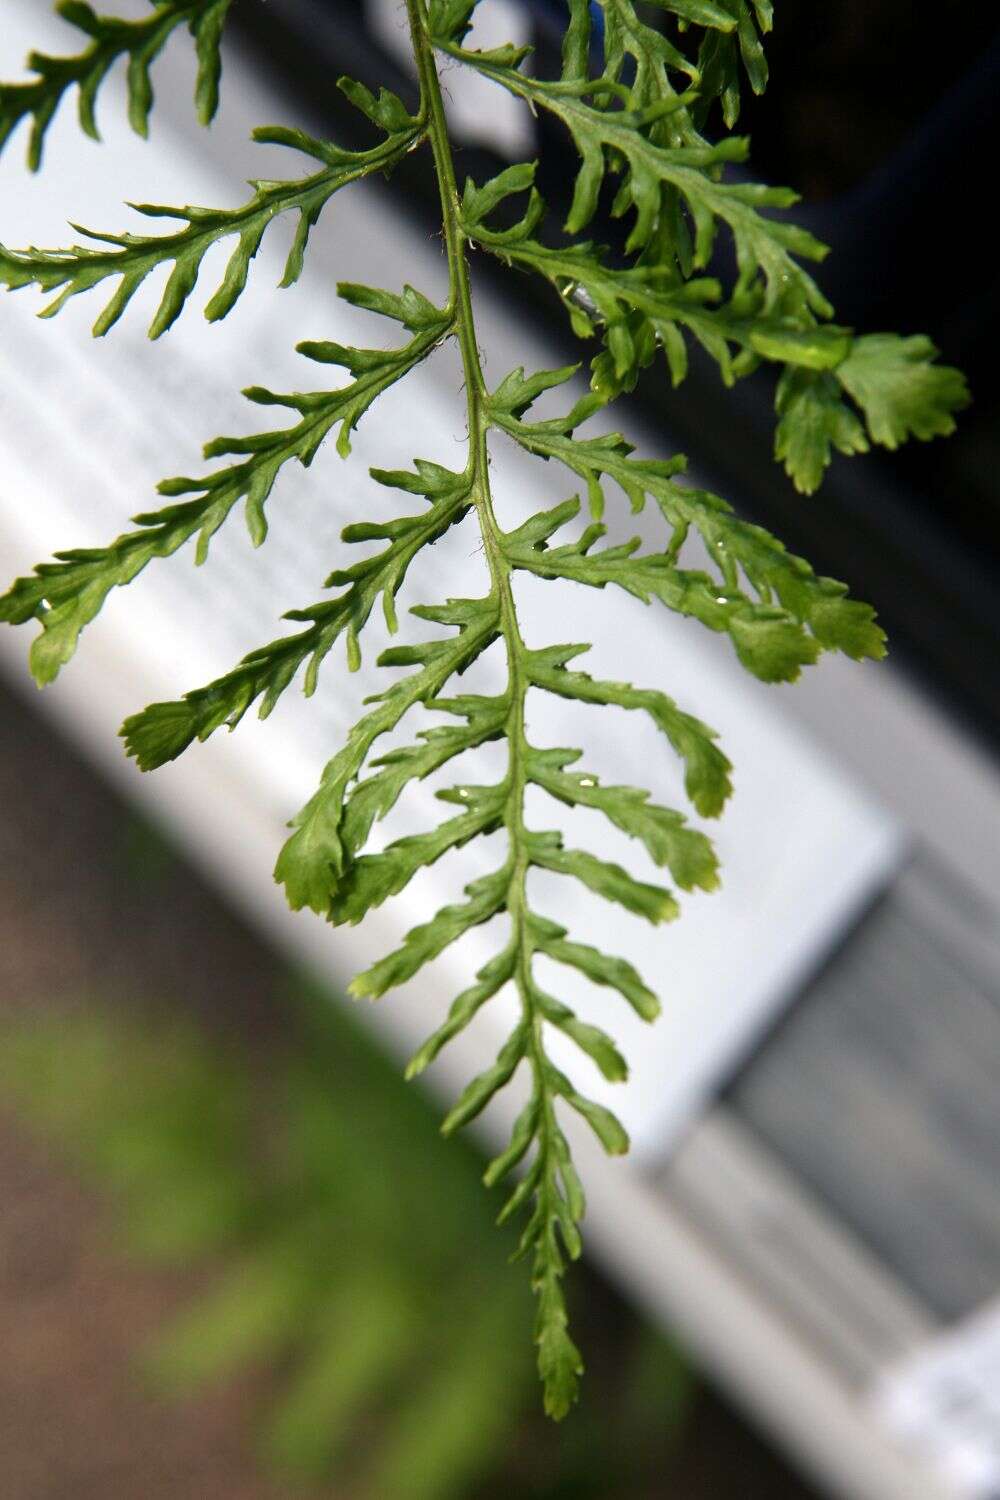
[
  {"x": 558, "y": 1360},
  {"x": 461, "y": 311}
]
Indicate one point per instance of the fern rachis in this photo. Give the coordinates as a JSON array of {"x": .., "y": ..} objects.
[{"x": 636, "y": 116}]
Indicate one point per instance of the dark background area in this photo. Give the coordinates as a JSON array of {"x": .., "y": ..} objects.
[{"x": 886, "y": 134}]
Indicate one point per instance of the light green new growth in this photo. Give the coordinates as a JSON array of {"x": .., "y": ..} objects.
[{"x": 637, "y": 119}]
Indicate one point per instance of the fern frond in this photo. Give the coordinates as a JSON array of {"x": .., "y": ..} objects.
[
  {"x": 773, "y": 313},
  {"x": 726, "y": 54},
  {"x": 133, "y": 257},
  {"x": 321, "y": 865},
  {"x": 765, "y": 638},
  {"x": 706, "y": 769},
  {"x": 164, "y": 730},
  {"x": 642, "y": 307},
  {"x": 769, "y": 641},
  {"x": 635, "y": 118},
  {"x": 900, "y": 389},
  {"x": 767, "y": 246},
  {"x": 112, "y": 38},
  {"x": 65, "y": 595},
  {"x": 668, "y": 841},
  {"x": 316, "y": 855},
  {"x": 730, "y": 47}
]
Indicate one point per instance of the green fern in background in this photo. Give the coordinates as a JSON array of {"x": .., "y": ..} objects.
[
  {"x": 380, "y": 1299},
  {"x": 643, "y": 119}
]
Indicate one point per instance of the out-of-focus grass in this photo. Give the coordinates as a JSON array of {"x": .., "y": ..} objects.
[{"x": 352, "y": 1250}]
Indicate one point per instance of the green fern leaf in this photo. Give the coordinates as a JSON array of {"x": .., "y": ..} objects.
[
  {"x": 899, "y": 388},
  {"x": 725, "y": 54},
  {"x": 111, "y": 38},
  {"x": 685, "y": 852},
  {"x": 764, "y": 642},
  {"x": 901, "y": 392},
  {"x": 65, "y": 595},
  {"x": 813, "y": 419},
  {"x": 764, "y": 245},
  {"x": 164, "y": 730},
  {"x": 636, "y": 120},
  {"x": 706, "y": 769},
  {"x": 316, "y": 853},
  {"x": 424, "y": 943},
  {"x": 135, "y": 256},
  {"x": 642, "y": 308},
  {"x": 373, "y": 878}
]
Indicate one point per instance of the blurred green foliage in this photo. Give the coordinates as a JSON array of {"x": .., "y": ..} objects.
[{"x": 349, "y": 1250}]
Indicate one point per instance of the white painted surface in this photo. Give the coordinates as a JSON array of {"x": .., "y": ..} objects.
[{"x": 944, "y": 1404}]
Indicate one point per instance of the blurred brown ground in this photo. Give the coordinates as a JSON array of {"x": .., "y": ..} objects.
[{"x": 76, "y": 1423}]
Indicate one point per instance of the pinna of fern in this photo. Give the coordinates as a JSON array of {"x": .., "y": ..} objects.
[
  {"x": 636, "y": 114},
  {"x": 112, "y": 39}
]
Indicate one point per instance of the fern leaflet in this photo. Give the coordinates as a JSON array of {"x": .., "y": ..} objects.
[{"x": 111, "y": 38}]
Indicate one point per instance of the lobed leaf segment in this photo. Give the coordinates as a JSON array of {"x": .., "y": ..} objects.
[
  {"x": 636, "y": 121},
  {"x": 133, "y": 257},
  {"x": 111, "y": 39}
]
